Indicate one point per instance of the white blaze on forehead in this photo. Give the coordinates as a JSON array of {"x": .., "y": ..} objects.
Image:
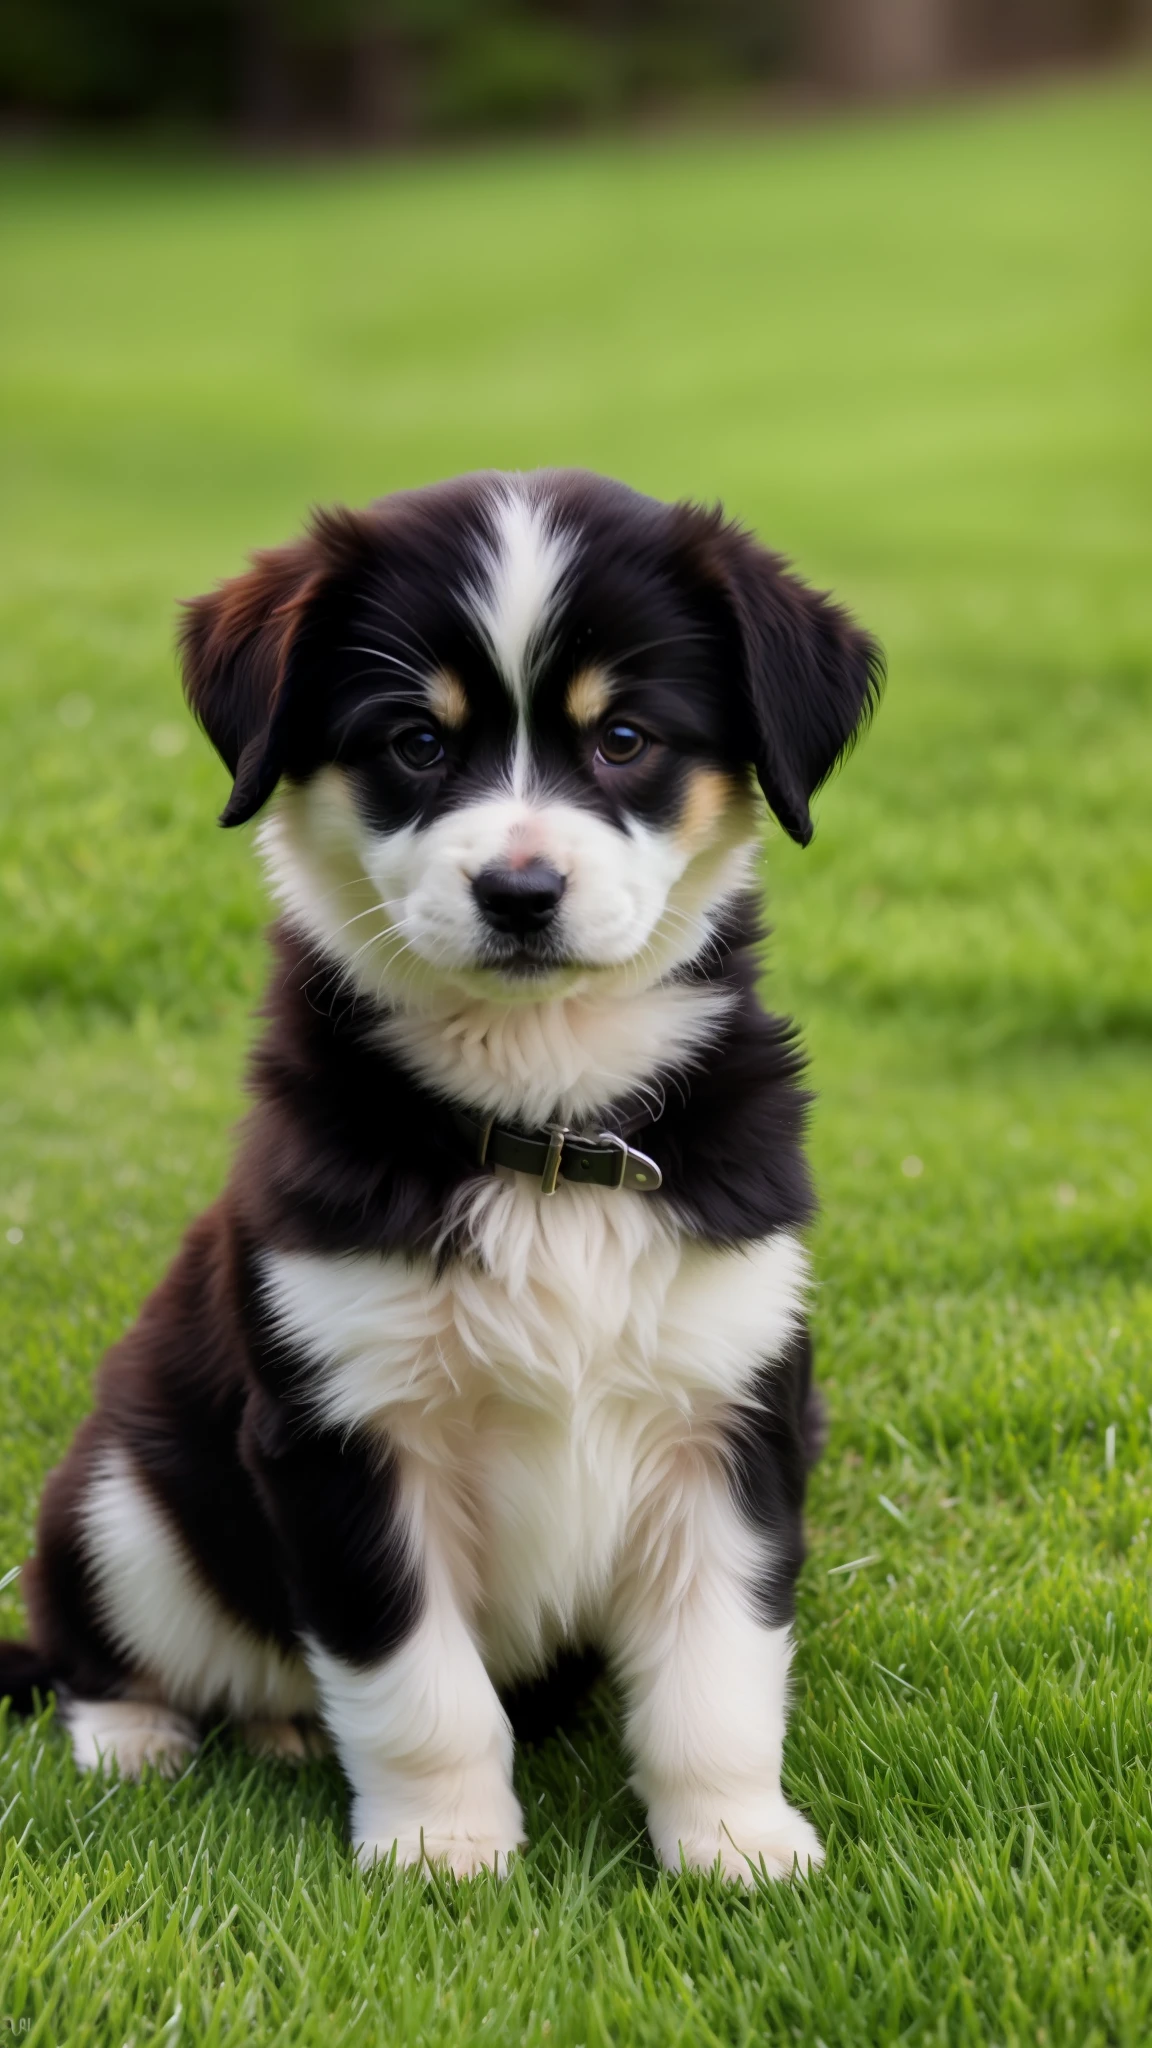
[{"x": 522, "y": 568}]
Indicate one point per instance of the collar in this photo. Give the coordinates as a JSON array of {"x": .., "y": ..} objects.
[{"x": 553, "y": 1154}]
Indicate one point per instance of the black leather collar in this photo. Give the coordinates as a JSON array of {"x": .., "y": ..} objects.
[{"x": 554, "y": 1154}]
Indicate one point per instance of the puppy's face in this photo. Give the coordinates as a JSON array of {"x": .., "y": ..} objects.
[
  {"x": 529, "y": 753},
  {"x": 516, "y": 723}
]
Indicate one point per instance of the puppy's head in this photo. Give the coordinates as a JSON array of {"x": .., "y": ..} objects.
[{"x": 514, "y": 718}]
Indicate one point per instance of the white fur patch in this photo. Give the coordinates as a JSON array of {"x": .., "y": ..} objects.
[
  {"x": 395, "y": 915},
  {"x": 553, "y": 1380},
  {"x": 560, "y": 1059},
  {"x": 164, "y": 1618},
  {"x": 521, "y": 575}
]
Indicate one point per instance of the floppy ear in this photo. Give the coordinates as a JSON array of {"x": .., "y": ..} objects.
[
  {"x": 236, "y": 647},
  {"x": 811, "y": 678}
]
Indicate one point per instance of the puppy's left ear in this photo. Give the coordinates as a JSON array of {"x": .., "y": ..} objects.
[{"x": 810, "y": 678}]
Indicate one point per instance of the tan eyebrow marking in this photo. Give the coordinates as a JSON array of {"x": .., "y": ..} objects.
[
  {"x": 446, "y": 699},
  {"x": 588, "y": 697}
]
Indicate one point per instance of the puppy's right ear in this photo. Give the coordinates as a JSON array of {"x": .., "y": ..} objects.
[{"x": 236, "y": 649}]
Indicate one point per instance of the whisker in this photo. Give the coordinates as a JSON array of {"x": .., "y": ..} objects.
[
  {"x": 649, "y": 646},
  {"x": 388, "y": 661},
  {"x": 374, "y": 939},
  {"x": 342, "y": 971},
  {"x": 388, "y": 611},
  {"x": 367, "y": 704},
  {"x": 431, "y": 957},
  {"x": 696, "y": 928},
  {"x": 373, "y": 909}
]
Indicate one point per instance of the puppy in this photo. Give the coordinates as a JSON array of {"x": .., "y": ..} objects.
[{"x": 494, "y": 1347}]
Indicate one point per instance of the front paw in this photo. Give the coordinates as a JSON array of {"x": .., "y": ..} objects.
[
  {"x": 743, "y": 1842},
  {"x": 456, "y": 1855},
  {"x": 461, "y": 1842}
]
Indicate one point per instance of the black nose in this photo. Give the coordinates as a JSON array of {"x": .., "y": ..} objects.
[{"x": 519, "y": 900}]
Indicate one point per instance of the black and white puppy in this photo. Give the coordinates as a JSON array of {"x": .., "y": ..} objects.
[{"x": 494, "y": 1346}]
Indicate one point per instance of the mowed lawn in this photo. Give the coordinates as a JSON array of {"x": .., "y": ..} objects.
[{"x": 913, "y": 352}]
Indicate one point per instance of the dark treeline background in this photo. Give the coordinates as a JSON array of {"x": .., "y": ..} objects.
[{"x": 386, "y": 70}]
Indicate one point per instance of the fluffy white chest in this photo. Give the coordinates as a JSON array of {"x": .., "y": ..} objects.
[{"x": 538, "y": 1390}]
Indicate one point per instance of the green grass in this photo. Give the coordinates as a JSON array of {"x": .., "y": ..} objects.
[{"x": 914, "y": 353}]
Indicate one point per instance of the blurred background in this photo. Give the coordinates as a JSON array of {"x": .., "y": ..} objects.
[{"x": 388, "y": 71}]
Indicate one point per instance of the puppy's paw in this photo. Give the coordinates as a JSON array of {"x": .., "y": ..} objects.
[
  {"x": 456, "y": 1855},
  {"x": 462, "y": 1842},
  {"x": 468, "y": 1855},
  {"x": 129, "y": 1736},
  {"x": 774, "y": 1842}
]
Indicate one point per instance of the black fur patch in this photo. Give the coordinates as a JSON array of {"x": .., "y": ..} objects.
[
  {"x": 769, "y": 1442},
  {"x": 331, "y": 1498}
]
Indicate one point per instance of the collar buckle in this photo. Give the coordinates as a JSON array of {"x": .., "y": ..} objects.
[
  {"x": 637, "y": 1170},
  {"x": 555, "y": 1153}
]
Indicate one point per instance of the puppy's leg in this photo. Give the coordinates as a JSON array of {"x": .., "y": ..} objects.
[
  {"x": 412, "y": 1712},
  {"x": 705, "y": 1676},
  {"x": 117, "y": 1719},
  {"x": 426, "y": 1746}
]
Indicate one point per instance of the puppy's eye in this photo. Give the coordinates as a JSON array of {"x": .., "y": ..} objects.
[
  {"x": 419, "y": 747},
  {"x": 621, "y": 743}
]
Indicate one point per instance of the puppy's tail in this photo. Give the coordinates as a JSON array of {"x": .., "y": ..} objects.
[{"x": 24, "y": 1672}]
